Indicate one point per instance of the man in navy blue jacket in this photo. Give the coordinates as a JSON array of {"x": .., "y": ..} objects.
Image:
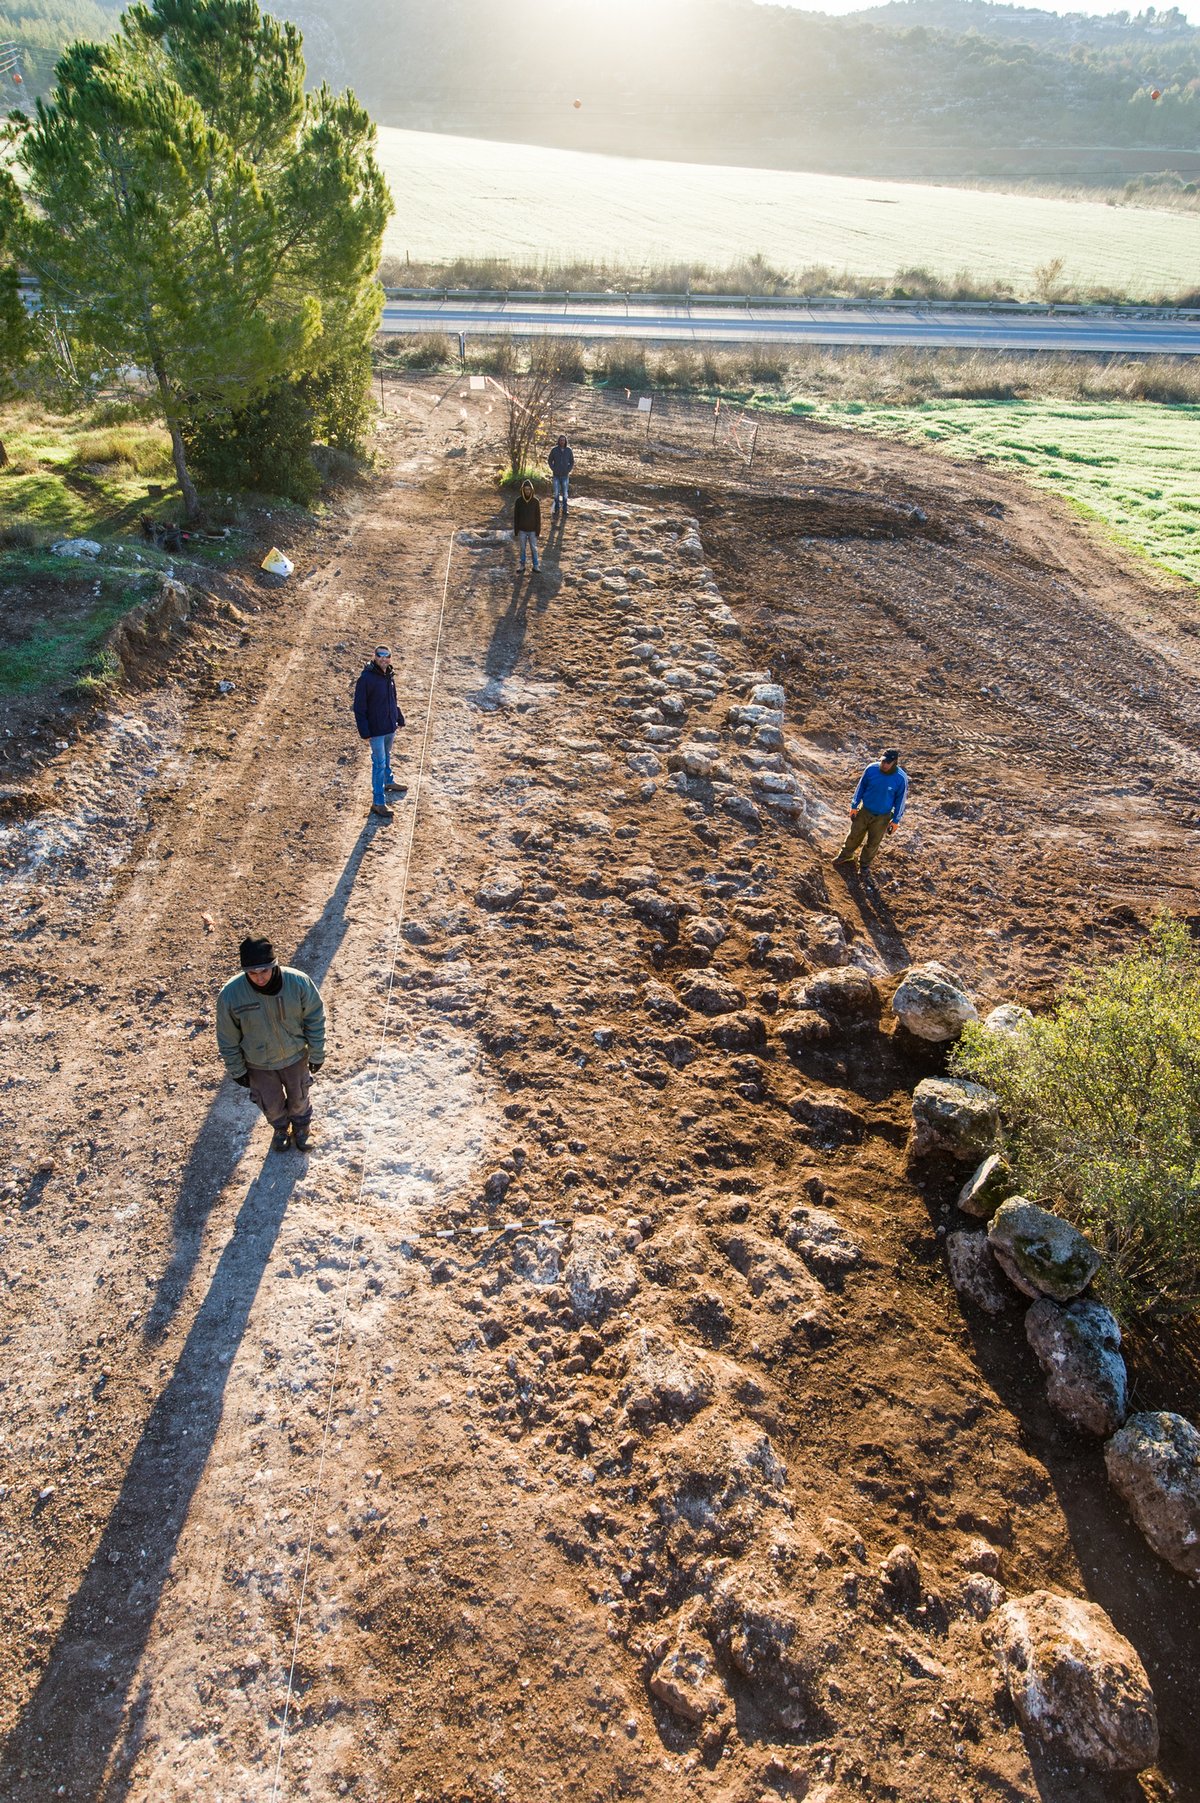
[
  {"x": 377, "y": 715},
  {"x": 562, "y": 462},
  {"x": 877, "y": 809}
]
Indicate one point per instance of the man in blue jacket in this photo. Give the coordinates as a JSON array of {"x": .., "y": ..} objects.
[
  {"x": 377, "y": 715},
  {"x": 877, "y": 809},
  {"x": 562, "y": 462}
]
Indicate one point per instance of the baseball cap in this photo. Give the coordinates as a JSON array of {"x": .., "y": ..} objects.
[{"x": 889, "y": 757}]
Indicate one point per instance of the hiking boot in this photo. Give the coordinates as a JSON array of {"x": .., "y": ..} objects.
[
  {"x": 279, "y": 1138},
  {"x": 395, "y": 788},
  {"x": 843, "y": 863},
  {"x": 383, "y": 813},
  {"x": 300, "y": 1132}
]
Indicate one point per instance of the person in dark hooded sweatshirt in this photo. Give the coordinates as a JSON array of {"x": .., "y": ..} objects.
[
  {"x": 527, "y": 522},
  {"x": 271, "y": 1037},
  {"x": 377, "y": 716}
]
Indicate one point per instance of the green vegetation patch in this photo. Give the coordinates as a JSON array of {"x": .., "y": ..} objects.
[
  {"x": 1133, "y": 467},
  {"x": 79, "y": 474},
  {"x": 57, "y": 622},
  {"x": 1101, "y": 1118}
]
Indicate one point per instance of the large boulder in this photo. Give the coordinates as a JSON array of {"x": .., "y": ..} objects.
[
  {"x": 931, "y": 1003},
  {"x": 986, "y": 1188},
  {"x": 1076, "y": 1684},
  {"x": 975, "y": 1274},
  {"x": 1043, "y": 1254},
  {"x": 952, "y": 1115},
  {"x": 1154, "y": 1466},
  {"x": 1079, "y": 1349}
]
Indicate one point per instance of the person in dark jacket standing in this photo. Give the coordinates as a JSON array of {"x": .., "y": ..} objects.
[
  {"x": 877, "y": 809},
  {"x": 562, "y": 462},
  {"x": 527, "y": 523},
  {"x": 377, "y": 716},
  {"x": 271, "y": 1037}
]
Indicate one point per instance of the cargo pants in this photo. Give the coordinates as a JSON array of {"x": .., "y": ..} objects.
[
  {"x": 868, "y": 826},
  {"x": 283, "y": 1095}
]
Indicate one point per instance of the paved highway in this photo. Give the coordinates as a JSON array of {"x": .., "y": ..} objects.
[{"x": 745, "y": 324}]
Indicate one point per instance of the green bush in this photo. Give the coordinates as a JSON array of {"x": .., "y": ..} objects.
[
  {"x": 266, "y": 447},
  {"x": 1101, "y": 1106}
]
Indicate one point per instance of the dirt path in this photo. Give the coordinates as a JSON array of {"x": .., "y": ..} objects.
[{"x": 527, "y": 1380}]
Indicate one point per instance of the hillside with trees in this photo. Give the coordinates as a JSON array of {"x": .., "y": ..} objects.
[
  {"x": 947, "y": 88},
  {"x": 732, "y": 81}
]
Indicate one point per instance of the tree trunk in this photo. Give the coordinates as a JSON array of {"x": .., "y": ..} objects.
[
  {"x": 3, "y": 454},
  {"x": 191, "y": 500}
]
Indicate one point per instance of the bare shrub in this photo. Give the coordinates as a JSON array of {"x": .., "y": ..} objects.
[{"x": 531, "y": 399}]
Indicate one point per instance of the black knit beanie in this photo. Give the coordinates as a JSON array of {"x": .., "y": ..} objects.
[{"x": 256, "y": 953}]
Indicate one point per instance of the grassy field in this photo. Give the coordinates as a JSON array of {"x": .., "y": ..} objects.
[
  {"x": 466, "y": 197},
  {"x": 1134, "y": 468}
]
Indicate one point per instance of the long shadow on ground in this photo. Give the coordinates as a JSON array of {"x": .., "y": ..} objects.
[
  {"x": 77, "y": 1736},
  {"x": 231, "y": 1119}
]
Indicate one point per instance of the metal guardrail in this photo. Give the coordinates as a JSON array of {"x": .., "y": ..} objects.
[{"x": 823, "y": 302}]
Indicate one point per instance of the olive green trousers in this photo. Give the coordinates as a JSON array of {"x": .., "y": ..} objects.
[{"x": 868, "y": 826}]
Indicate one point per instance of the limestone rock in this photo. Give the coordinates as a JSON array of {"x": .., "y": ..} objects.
[
  {"x": 706, "y": 933},
  {"x": 1076, "y": 1684},
  {"x": 1079, "y": 1349},
  {"x": 986, "y": 1188},
  {"x": 900, "y": 1578},
  {"x": 804, "y": 1026},
  {"x": 711, "y": 995},
  {"x": 825, "y": 939},
  {"x": 1042, "y": 1254},
  {"x": 982, "y": 1595},
  {"x": 932, "y": 1004},
  {"x": 776, "y": 1282},
  {"x": 975, "y": 1274},
  {"x": 821, "y": 1241},
  {"x": 502, "y": 889},
  {"x": 664, "y": 1378},
  {"x": 1154, "y": 1466},
  {"x": 742, "y": 1031},
  {"x": 1008, "y": 1021},
  {"x": 654, "y": 910},
  {"x": 765, "y": 1634},
  {"x": 952, "y": 1115},
  {"x": 598, "y": 1274},
  {"x": 846, "y": 993},
  {"x": 686, "y": 1679}
]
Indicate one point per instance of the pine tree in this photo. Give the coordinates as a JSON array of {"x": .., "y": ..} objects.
[
  {"x": 14, "y": 332},
  {"x": 197, "y": 215}
]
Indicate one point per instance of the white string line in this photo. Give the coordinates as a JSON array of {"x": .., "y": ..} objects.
[{"x": 357, "y": 1216}]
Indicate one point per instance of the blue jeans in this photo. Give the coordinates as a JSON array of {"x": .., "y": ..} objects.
[
  {"x": 381, "y": 767},
  {"x": 560, "y": 492},
  {"x": 527, "y": 541}
]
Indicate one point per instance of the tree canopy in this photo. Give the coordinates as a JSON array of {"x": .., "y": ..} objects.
[
  {"x": 197, "y": 214},
  {"x": 14, "y": 332}
]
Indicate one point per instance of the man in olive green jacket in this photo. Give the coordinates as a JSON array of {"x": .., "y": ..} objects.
[{"x": 271, "y": 1037}]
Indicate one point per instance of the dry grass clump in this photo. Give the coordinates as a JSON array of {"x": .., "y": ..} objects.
[{"x": 127, "y": 446}]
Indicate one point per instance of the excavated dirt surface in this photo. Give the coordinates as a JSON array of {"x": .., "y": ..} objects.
[{"x": 543, "y": 1432}]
